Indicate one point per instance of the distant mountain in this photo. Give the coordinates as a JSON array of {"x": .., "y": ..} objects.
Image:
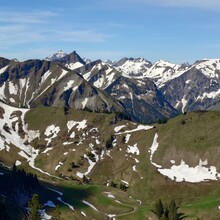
[
  {"x": 144, "y": 91},
  {"x": 186, "y": 87},
  {"x": 133, "y": 66},
  {"x": 197, "y": 88},
  {"x": 163, "y": 71},
  {"x": 140, "y": 98},
  {"x": 43, "y": 83},
  {"x": 55, "y": 56}
]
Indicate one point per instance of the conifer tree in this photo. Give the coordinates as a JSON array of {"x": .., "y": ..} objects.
[
  {"x": 34, "y": 206},
  {"x": 3, "y": 211},
  {"x": 172, "y": 211},
  {"x": 159, "y": 210}
]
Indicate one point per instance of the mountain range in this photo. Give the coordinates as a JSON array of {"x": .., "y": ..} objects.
[
  {"x": 142, "y": 91},
  {"x": 80, "y": 125}
]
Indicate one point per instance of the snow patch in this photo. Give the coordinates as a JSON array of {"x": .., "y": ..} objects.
[
  {"x": 51, "y": 130},
  {"x": 125, "y": 182},
  {"x": 210, "y": 95},
  {"x": 133, "y": 149},
  {"x": 12, "y": 100},
  {"x": 74, "y": 66},
  {"x": 134, "y": 168},
  {"x": 47, "y": 149},
  {"x": 111, "y": 216},
  {"x": 84, "y": 103},
  {"x": 65, "y": 203},
  {"x": 69, "y": 85},
  {"x": 17, "y": 163},
  {"x": 13, "y": 89},
  {"x": 64, "y": 72},
  {"x": 118, "y": 128},
  {"x": 127, "y": 138},
  {"x": 58, "y": 192},
  {"x": 90, "y": 205},
  {"x": 58, "y": 166},
  {"x": 68, "y": 143},
  {"x": 153, "y": 148},
  {"x": 184, "y": 102},
  {"x": 109, "y": 194},
  {"x": 26, "y": 150},
  {"x": 184, "y": 172},
  {"x": 99, "y": 82},
  {"x": 2, "y": 70},
  {"x": 83, "y": 213},
  {"x": 81, "y": 124},
  {"x": 139, "y": 127},
  {"x": 44, "y": 215},
  {"x": 50, "y": 204},
  {"x": 45, "y": 76}
]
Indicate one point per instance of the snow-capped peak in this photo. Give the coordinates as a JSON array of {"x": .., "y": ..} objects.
[
  {"x": 133, "y": 66},
  {"x": 55, "y": 56},
  {"x": 163, "y": 71},
  {"x": 208, "y": 67}
]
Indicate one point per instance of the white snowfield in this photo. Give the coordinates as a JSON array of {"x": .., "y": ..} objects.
[
  {"x": 80, "y": 124},
  {"x": 139, "y": 127},
  {"x": 51, "y": 132},
  {"x": 134, "y": 67},
  {"x": 163, "y": 71},
  {"x": 133, "y": 149},
  {"x": 74, "y": 66},
  {"x": 183, "y": 172}
]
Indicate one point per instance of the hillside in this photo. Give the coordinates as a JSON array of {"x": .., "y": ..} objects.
[{"x": 101, "y": 149}]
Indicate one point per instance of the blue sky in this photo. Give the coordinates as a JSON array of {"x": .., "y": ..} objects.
[{"x": 173, "y": 30}]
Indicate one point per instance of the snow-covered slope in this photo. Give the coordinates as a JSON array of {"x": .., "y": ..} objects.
[
  {"x": 132, "y": 66},
  {"x": 140, "y": 98},
  {"x": 99, "y": 73},
  {"x": 163, "y": 71},
  {"x": 197, "y": 88}
]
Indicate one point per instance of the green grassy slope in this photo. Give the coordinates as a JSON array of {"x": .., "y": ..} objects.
[{"x": 190, "y": 137}]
